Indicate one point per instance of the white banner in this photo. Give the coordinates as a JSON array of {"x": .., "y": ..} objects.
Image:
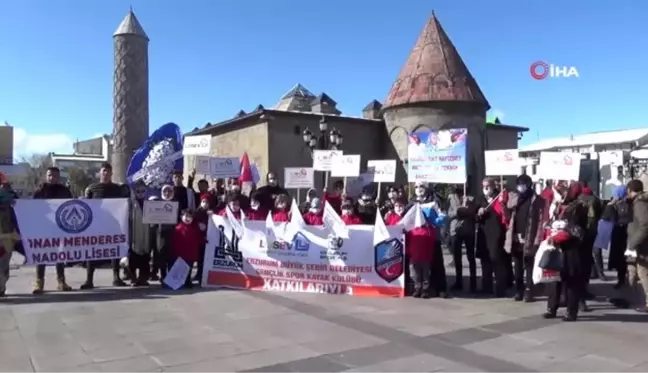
[
  {"x": 323, "y": 159},
  {"x": 502, "y": 162},
  {"x": 346, "y": 165},
  {"x": 314, "y": 261},
  {"x": 196, "y": 145},
  {"x": 61, "y": 230},
  {"x": 383, "y": 171},
  {"x": 559, "y": 166},
  {"x": 222, "y": 167},
  {"x": 299, "y": 178}
]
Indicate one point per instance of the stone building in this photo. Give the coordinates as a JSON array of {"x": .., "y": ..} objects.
[{"x": 433, "y": 90}]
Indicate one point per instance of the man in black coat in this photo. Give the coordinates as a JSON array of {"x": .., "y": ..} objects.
[
  {"x": 52, "y": 189},
  {"x": 268, "y": 192}
]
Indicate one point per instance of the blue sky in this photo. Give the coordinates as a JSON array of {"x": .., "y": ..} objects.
[{"x": 209, "y": 59}]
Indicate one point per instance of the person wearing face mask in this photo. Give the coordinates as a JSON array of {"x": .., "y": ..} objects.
[
  {"x": 388, "y": 205},
  {"x": 366, "y": 208},
  {"x": 525, "y": 212},
  {"x": 394, "y": 216},
  {"x": 490, "y": 239},
  {"x": 349, "y": 216},
  {"x": 201, "y": 219},
  {"x": 256, "y": 211},
  {"x": 462, "y": 211},
  {"x": 314, "y": 214},
  {"x": 268, "y": 192},
  {"x": 335, "y": 197},
  {"x": 140, "y": 234},
  {"x": 233, "y": 204},
  {"x": 164, "y": 237},
  {"x": 281, "y": 211},
  {"x": 185, "y": 196},
  {"x": 186, "y": 243},
  {"x": 306, "y": 205}
]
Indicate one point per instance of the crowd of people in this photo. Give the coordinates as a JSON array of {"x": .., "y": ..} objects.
[{"x": 501, "y": 228}]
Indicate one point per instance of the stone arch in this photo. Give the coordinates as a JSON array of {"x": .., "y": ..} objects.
[{"x": 422, "y": 127}]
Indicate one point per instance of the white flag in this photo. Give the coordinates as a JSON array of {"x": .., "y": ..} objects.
[
  {"x": 334, "y": 222},
  {"x": 238, "y": 227},
  {"x": 413, "y": 218},
  {"x": 296, "y": 223},
  {"x": 380, "y": 230}
]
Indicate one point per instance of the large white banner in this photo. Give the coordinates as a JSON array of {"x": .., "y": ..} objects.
[
  {"x": 314, "y": 261},
  {"x": 73, "y": 230}
]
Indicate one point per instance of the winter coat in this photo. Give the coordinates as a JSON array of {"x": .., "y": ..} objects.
[
  {"x": 571, "y": 241},
  {"x": 313, "y": 219},
  {"x": 462, "y": 218},
  {"x": 535, "y": 228},
  {"x": 367, "y": 213},
  {"x": 392, "y": 218},
  {"x": 140, "y": 233},
  {"x": 187, "y": 241},
  {"x": 491, "y": 227},
  {"x": 266, "y": 195},
  {"x": 351, "y": 219},
  {"x": 201, "y": 219},
  {"x": 638, "y": 227},
  {"x": 281, "y": 216},
  {"x": 420, "y": 243}
]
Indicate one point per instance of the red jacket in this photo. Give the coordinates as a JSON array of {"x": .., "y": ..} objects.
[
  {"x": 313, "y": 219},
  {"x": 334, "y": 201},
  {"x": 499, "y": 206},
  {"x": 186, "y": 242},
  {"x": 351, "y": 219},
  {"x": 392, "y": 218},
  {"x": 281, "y": 216},
  {"x": 259, "y": 214},
  {"x": 201, "y": 217},
  {"x": 419, "y": 244},
  {"x": 237, "y": 214}
]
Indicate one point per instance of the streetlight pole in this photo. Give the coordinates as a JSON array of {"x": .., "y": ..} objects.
[{"x": 326, "y": 140}]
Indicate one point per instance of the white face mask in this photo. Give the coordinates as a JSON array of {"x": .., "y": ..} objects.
[
  {"x": 346, "y": 212},
  {"x": 487, "y": 192},
  {"x": 187, "y": 220},
  {"x": 314, "y": 211},
  {"x": 281, "y": 206},
  {"x": 204, "y": 205},
  {"x": 399, "y": 210},
  {"x": 391, "y": 195},
  {"x": 254, "y": 206},
  {"x": 522, "y": 188},
  {"x": 420, "y": 192}
]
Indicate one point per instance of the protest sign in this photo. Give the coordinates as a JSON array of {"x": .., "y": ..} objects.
[
  {"x": 559, "y": 166},
  {"x": 222, "y": 167},
  {"x": 299, "y": 177},
  {"x": 312, "y": 262},
  {"x": 203, "y": 165},
  {"x": 177, "y": 275},
  {"x": 323, "y": 159},
  {"x": 160, "y": 212},
  {"x": 345, "y": 165},
  {"x": 502, "y": 162},
  {"x": 437, "y": 156},
  {"x": 59, "y": 230},
  {"x": 196, "y": 145},
  {"x": 383, "y": 171}
]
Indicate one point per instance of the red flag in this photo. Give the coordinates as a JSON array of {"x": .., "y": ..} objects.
[{"x": 246, "y": 170}]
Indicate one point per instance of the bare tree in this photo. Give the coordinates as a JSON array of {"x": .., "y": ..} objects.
[
  {"x": 78, "y": 180},
  {"x": 38, "y": 164}
]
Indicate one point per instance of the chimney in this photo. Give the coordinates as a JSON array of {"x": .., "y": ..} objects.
[
  {"x": 323, "y": 104},
  {"x": 372, "y": 110}
]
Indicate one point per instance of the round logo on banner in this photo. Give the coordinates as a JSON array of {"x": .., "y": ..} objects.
[{"x": 73, "y": 216}]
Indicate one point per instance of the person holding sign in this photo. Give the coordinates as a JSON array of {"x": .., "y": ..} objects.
[
  {"x": 348, "y": 215},
  {"x": 525, "y": 211},
  {"x": 335, "y": 198},
  {"x": 314, "y": 214},
  {"x": 186, "y": 243},
  {"x": 164, "y": 237},
  {"x": 281, "y": 212}
]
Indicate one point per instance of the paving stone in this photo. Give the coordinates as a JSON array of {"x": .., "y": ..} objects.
[
  {"x": 414, "y": 363},
  {"x": 134, "y": 364},
  {"x": 12, "y": 364},
  {"x": 115, "y": 352},
  {"x": 61, "y": 361},
  {"x": 588, "y": 363},
  {"x": 346, "y": 343},
  {"x": 279, "y": 356}
]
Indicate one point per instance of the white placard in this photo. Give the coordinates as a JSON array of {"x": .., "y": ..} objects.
[
  {"x": 196, "y": 145},
  {"x": 502, "y": 162},
  {"x": 323, "y": 159},
  {"x": 559, "y": 166},
  {"x": 299, "y": 177},
  {"x": 202, "y": 165},
  {"x": 177, "y": 275},
  {"x": 383, "y": 171},
  {"x": 222, "y": 167},
  {"x": 73, "y": 230},
  {"x": 160, "y": 212},
  {"x": 346, "y": 165}
]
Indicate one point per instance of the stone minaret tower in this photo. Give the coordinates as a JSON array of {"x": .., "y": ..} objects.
[
  {"x": 130, "y": 93},
  {"x": 435, "y": 90}
]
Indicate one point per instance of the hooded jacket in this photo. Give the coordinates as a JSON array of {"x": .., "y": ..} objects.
[{"x": 638, "y": 227}]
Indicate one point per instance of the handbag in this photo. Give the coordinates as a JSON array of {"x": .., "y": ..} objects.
[{"x": 552, "y": 259}]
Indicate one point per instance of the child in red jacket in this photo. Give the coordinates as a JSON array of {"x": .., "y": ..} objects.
[
  {"x": 314, "y": 214},
  {"x": 396, "y": 214},
  {"x": 256, "y": 211},
  {"x": 186, "y": 242},
  {"x": 419, "y": 247},
  {"x": 233, "y": 204},
  {"x": 348, "y": 214},
  {"x": 281, "y": 212},
  {"x": 335, "y": 198}
]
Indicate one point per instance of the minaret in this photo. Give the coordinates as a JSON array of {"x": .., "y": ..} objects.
[
  {"x": 130, "y": 93},
  {"x": 434, "y": 89}
]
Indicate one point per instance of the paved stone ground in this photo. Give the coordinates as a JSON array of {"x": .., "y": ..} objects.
[{"x": 160, "y": 330}]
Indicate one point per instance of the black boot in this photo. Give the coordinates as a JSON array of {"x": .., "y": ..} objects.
[
  {"x": 550, "y": 314},
  {"x": 528, "y": 295}
]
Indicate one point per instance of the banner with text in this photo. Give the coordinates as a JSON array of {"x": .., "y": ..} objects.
[
  {"x": 314, "y": 261},
  {"x": 559, "y": 166},
  {"x": 437, "y": 156},
  {"x": 299, "y": 178},
  {"x": 502, "y": 162},
  {"x": 60, "y": 230},
  {"x": 196, "y": 145}
]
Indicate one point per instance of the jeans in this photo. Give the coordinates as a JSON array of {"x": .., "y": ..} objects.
[{"x": 420, "y": 273}]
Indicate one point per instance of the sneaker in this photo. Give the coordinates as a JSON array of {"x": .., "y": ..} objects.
[
  {"x": 87, "y": 286},
  {"x": 3, "y": 294},
  {"x": 38, "y": 287},
  {"x": 154, "y": 277}
]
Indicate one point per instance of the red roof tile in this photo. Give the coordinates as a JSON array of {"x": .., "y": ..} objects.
[{"x": 434, "y": 71}]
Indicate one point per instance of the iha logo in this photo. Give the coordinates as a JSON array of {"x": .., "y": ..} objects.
[{"x": 541, "y": 70}]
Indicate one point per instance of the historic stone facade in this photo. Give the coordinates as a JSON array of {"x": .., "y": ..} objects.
[{"x": 130, "y": 93}]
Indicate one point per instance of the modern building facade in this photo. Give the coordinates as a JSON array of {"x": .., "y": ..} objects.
[
  {"x": 6, "y": 144},
  {"x": 87, "y": 155}
]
